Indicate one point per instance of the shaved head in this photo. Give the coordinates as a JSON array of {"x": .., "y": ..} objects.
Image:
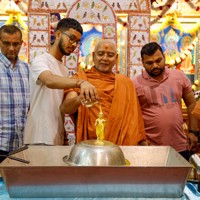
[
  {"x": 105, "y": 55},
  {"x": 111, "y": 43}
]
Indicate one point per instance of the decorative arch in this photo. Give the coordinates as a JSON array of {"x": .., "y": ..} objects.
[{"x": 137, "y": 25}]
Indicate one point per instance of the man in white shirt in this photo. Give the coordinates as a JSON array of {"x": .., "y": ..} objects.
[{"x": 48, "y": 78}]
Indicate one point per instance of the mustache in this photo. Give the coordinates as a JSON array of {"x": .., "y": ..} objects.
[{"x": 157, "y": 68}]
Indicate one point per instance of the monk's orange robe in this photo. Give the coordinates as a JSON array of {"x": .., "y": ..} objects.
[{"x": 120, "y": 106}]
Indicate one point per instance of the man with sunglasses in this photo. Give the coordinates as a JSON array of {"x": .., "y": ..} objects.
[
  {"x": 48, "y": 78},
  {"x": 14, "y": 90}
]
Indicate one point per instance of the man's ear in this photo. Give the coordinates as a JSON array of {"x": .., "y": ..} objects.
[{"x": 58, "y": 34}]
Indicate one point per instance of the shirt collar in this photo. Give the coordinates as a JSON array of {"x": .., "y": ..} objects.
[{"x": 5, "y": 61}]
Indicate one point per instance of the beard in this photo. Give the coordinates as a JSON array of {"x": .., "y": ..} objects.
[
  {"x": 158, "y": 72},
  {"x": 11, "y": 57},
  {"x": 60, "y": 46}
]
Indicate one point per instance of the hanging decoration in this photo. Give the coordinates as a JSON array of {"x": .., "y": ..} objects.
[
  {"x": 164, "y": 8},
  {"x": 21, "y": 5},
  {"x": 120, "y": 21},
  {"x": 195, "y": 85},
  {"x": 192, "y": 5},
  {"x": 15, "y": 16},
  {"x": 196, "y": 89},
  {"x": 168, "y": 4},
  {"x": 171, "y": 19},
  {"x": 184, "y": 54}
]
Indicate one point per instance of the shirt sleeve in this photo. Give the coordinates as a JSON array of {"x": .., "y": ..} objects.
[{"x": 37, "y": 67}]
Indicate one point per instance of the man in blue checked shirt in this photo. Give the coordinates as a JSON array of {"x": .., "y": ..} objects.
[{"x": 14, "y": 90}]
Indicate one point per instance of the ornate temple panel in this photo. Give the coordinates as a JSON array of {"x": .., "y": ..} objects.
[
  {"x": 126, "y": 22},
  {"x": 39, "y": 34},
  {"x": 92, "y": 13},
  {"x": 137, "y": 36},
  {"x": 48, "y": 6},
  {"x": 38, "y": 22}
]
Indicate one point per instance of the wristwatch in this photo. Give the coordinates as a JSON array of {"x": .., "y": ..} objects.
[{"x": 194, "y": 132}]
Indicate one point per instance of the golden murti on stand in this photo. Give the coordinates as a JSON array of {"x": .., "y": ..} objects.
[
  {"x": 96, "y": 152},
  {"x": 100, "y": 124}
]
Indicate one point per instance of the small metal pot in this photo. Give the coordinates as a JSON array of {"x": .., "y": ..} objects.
[{"x": 95, "y": 153}]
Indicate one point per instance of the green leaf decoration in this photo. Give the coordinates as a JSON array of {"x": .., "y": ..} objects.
[
  {"x": 92, "y": 6},
  {"x": 78, "y": 6},
  {"x": 105, "y": 8}
]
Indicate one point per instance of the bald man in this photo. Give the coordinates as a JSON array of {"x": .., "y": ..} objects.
[{"x": 117, "y": 97}]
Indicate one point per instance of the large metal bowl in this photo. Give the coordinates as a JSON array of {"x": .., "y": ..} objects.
[{"x": 95, "y": 153}]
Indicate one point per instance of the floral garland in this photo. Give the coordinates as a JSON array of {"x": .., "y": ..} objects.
[
  {"x": 170, "y": 20},
  {"x": 120, "y": 21},
  {"x": 21, "y": 6},
  {"x": 18, "y": 19},
  {"x": 195, "y": 86},
  {"x": 184, "y": 54},
  {"x": 175, "y": 24},
  {"x": 160, "y": 7},
  {"x": 165, "y": 7},
  {"x": 192, "y": 5}
]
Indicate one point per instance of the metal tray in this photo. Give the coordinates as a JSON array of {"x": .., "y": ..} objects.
[{"x": 154, "y": 172}]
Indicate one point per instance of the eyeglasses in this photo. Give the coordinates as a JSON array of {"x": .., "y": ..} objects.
[
  {"x": 8, "y": 44},
  {"x": 72, "y": 39}
]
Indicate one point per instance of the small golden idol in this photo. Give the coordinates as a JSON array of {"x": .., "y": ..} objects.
[{"x": 100, "y": 124}]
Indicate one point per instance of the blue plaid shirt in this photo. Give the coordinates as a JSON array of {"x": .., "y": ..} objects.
[{"x": 14, "y": 102}]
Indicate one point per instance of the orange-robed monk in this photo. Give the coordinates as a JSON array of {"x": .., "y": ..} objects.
[{"x": 118, "y": 99}]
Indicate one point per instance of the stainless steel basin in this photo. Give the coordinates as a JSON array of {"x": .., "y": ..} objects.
[{"x": 154, "y": 172}]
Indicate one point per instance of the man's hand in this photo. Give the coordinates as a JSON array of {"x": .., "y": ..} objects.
[
  {"x": 88, "y": 92},
  {"x": 193, "y": 142}
]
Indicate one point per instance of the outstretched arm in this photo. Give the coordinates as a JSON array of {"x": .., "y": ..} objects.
[{"x": 87, "y": 90}]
